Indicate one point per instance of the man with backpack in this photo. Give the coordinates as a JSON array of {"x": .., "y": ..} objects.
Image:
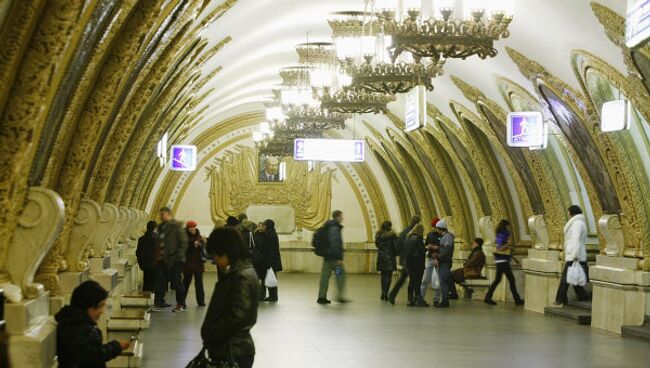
[{"x": 328, "y": 243}]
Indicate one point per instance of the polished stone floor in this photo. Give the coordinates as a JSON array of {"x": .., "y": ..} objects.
[{"x": 297, "y": 333}]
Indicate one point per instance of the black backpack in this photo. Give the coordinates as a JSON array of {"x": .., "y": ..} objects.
[{"x": 321, "y": 242}]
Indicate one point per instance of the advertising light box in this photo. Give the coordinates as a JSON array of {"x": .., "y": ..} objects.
[
  {"x": 415, "y": 109},
  {"x": 183, "y": 158},
  {"x": 637, "y": 22},
  {"x": 343, "y": 150},
  {"x": 526, "y": 129},
  {"x": 615, "y": 116}
]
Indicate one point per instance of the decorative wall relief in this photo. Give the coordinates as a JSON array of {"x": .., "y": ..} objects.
[
  {"x": 612, "y": 230},
  {"x": 486, "y": 228},
  {"x": 539, "y": 232},
  {"x": 38, "y": 226},
  {"x": 234, "y": 187},
  {"x": 107, "y": 222},
  {"x": 85, "y": 224}
]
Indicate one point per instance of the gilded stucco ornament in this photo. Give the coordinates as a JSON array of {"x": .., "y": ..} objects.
[
  {"x": 539, "y": 232},
  {"x": 107, "y": 222},
  {"x": 629, "y": 181},
  {"x": 85, "y": 223},
  {"x": 234, "y": 187}
]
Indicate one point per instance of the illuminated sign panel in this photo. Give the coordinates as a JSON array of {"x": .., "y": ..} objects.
[
  {"x": 615, "y": 115},
  {"x": 161, "y": 150},
  {"x": 526, "y": 129},
  {"x": 183, "y": 158},
  {"x": 329, "y": 150},
  {"x": 637, "y": 22},
  {"x": 415, "y": 108}
]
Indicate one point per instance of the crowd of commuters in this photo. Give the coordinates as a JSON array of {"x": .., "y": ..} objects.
[{"x": 247, "y": 255}]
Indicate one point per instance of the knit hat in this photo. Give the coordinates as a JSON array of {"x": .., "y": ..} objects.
[
  {"x": 442, "y": 224},
  {"x": 434, "y": 221},
  {"x": 190, "y": 224}
]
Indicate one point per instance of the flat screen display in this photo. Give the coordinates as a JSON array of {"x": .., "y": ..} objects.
[
  {"x": 526, "y": 129},
  {"x": 615, "y": 116},
  {"x": 637, "y": 22},
  {"x": 335, "y": 150},
  {"x": 183, "y": 158}
]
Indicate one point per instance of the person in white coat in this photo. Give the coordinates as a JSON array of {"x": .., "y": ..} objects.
[{"x": 575, "y": 237}]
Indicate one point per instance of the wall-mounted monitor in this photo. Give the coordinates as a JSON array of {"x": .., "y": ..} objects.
[
  {"x": 183, "y": 158},
  {"x": 527, "y": 129},
  {"x": 637, "y": 23},
  {"x": 415, "y": 109},
  {"x": 344, "y": 150},
  {"x": 615, "y": 116}
]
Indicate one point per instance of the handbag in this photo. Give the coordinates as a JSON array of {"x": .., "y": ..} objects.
[
  {"x": 202, "y": 360},
  {"x": 435, "y": 280},
  {"x": 270, "y": 281},
  {"x": 576, "y": 275}
]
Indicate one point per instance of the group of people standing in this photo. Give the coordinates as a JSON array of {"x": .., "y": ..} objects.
[{"x": 171, "y": 255}]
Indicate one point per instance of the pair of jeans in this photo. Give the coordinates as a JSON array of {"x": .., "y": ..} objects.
[
  {"x": 400, "y": 282},
  {"x": 444, "y": 275},
  {"x": 329, "y": 266},
  {"x": 386, "y": 279},
  {"x": 503, "y": 268},
  {"x": 171, "y": 274},
  {"x": 149, "y": 279},
  {"x": 562, "y": 297},
  {"x": 198, "y": 285}
]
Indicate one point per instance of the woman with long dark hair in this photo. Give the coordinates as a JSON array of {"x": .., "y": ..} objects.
[
  {"x": 232, "y": 312},
  {"x": 502, "y": 257},
  {"x": 271, "y": 255},
  {"x": 386, "y": 243}
]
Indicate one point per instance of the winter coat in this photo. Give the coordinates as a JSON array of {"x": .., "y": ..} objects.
[
  {"x": 173, "y": 241},
  {"x": 148, "y": 251},
  {"x": 432, "y": 238},
  {"x": 232, "y": 312},
  {"x": 402, "y": 250},
  {"x": 575, "y": 237},
  {"x": 386, "y": 243},
  {"x": 79, "y": 341},
  {"x": 194, "y": 255},
  {"x": 271, "y": 251},
  {"x": 257, "y": 251},
  {"x": 335, "y": 237},
  {"x": 416, "y": 252},
  {"x": 474, "y": 264},
  {"x": 446, "y": 252}
]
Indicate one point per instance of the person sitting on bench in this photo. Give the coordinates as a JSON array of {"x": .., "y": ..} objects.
[{"x": 471, "y": 269}]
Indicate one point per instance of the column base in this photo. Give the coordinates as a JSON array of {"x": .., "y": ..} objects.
[
  {"x": 621, "y": 293},
  {"x": 543, "y": 270}
]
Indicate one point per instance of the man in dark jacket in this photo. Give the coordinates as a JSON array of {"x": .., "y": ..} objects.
[
  {"x": 333, "y": 262},
  {"x": 173, "y": 241},
  {"x": 471, "y": 269},
  {"x": 401, "y": 250},
  {"x": 148, "y": 254},
  {"x": 445, "y": 259},
  {"x": 79, "y": 341}
]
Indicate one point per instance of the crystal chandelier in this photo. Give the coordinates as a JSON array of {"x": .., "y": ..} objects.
[
  {"x": 362, "y": 47},
  {"x": 350, "y": 101},
  {"x": 426, "y": 28}
]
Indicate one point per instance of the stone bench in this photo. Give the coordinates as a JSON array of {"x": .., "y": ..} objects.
[{"x": 480, "y": 287}]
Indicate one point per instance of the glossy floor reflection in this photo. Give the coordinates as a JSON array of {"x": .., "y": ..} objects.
[{"x": 297, "y": 333}]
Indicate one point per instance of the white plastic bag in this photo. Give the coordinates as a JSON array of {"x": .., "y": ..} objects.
[
  {"x": 270, "y": 281},
  {"x": 576, "y": 275},
  {"x": 435, "y": 280}
]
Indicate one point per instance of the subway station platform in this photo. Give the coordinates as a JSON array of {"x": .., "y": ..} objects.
[{"x": 297, "y": 333}]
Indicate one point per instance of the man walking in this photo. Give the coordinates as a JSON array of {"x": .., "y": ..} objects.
[
  {"x": 173, "y": 241},
  {"x": 445, "y": 259},
  {"x": 333, "y": 259},
  {"x": 402, "y": 251}
]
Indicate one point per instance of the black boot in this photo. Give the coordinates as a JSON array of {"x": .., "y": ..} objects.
[
  {"x": 273, "y": 295},
  {"x": 263, "y": 292},
  {"x": 419, "y": 302}
]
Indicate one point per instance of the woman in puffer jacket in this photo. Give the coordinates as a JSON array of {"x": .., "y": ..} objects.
[
  {"x": 575, "y": 237},
  {"x": 386, "y": 243}
]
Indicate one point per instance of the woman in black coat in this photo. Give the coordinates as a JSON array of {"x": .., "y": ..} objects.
[
  {"x": 271, "y": 255},
  {"x": 415, "y": 264},
  {"x": 232, "y": 312},
  {"x": 386, "y": 243}
]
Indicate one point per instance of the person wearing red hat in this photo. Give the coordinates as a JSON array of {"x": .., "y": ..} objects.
[
  {"x": 432, "y": 241},
  {"x": 194, "y": 258}
]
